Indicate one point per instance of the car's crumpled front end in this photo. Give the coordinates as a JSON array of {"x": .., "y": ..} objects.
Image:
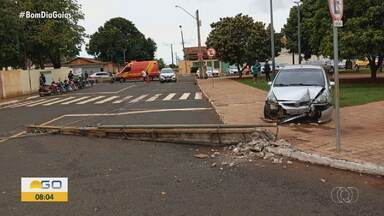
[{"x": 286, "y": 104}]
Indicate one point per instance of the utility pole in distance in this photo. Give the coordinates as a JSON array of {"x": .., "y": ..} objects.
[
  {"x": 198, "y": 21},
  {"x": 199, "y": 44},
  {"x": 185, "y": 55},
  {"x": 172, "y": 53}
]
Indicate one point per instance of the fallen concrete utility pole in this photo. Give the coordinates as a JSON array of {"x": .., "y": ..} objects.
[{"x": 212, "y": 135}]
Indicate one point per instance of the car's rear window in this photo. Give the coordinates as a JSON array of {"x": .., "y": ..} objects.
[{"x": 300, "y": 77}]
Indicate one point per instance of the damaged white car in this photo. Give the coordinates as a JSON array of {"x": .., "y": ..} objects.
[{"x": 301, "y": 92}]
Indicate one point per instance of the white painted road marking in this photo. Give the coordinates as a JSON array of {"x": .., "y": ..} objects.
[
  {"x": 35, "y": 104},
  {"x": 184, "y": 96},
  {"x": 198, "y": 96},
  {"x": 107, "y": 99},
  {"x": 33, "y": 97},
  {"x": 73, "y": 101},
  {"x": 122, "y": 100},
  {"x": 58, "y": 101},
  {"x": 25, "y": 103},
  {"x": 126, "y": 113},
  {"x": 169, "y": 97},
  {"x": 138, "y": 98},
  {"x": 115, "y": 92},
  {"x": 153, "y": 98},
  {"x": 104, "y": 99},
  {"x": 90, "y": 100},
  {"x": 9, "y": 102}
]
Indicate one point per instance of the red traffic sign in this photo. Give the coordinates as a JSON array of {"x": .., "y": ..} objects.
[
  {"x": 200, "y": 55},
  {"x": 211, "y": 52},
  {"x": 336, "y": 8}
]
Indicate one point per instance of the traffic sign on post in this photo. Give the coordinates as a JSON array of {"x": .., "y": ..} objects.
[
  {"x": 200, "y": 56},
  {"x": 336, "y": 8},
  {"x": 211, "y": 52}
]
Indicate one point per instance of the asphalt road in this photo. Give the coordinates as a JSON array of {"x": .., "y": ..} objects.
[
  {"x": 119, "y": 177},
  {"x": 113, "y": 98}
]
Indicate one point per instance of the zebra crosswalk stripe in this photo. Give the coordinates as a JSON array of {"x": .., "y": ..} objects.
[
  {"x": 122, "y": 100},
  {"x": 153, "y": 98},
  {"x": 184, "y": 96},
  {"x": 43, "y": 102},
  {"x": 138, "y": 98},
  {"x": 106, "y": 100},
  {"x": 90, "y": 100},
  {"x": 169, "y": 97},
  {"x": 198, "y": 96},
  {"x": 25, "y": 103},
  {"x": 58, "y": 101},
  {"x": 74, "y": 101}
]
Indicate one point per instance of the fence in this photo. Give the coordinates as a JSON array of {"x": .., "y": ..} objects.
[{"x": 14, "y": 83}]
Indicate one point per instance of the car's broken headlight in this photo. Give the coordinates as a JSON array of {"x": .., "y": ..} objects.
[
  {"x": 323, "y": 98},
  {"x": 272, "y": 102},
  {"x": 271, "y": 98}
]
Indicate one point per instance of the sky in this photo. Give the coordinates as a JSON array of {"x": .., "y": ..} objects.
[{"x": 160, "y": 19}]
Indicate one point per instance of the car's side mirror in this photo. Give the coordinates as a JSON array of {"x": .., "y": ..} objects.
[
  {"x": 269, "y": 83},
  {"x": 332, "y": 83}
]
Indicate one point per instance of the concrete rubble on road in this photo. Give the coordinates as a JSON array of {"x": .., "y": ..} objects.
[{"x": 256, "y": 147}]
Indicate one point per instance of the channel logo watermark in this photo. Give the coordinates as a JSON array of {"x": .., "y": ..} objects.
[
  {"x": 44, "y": 189},
  {"x": 44, "y": 15},
  {"x": 344, "y": 195}
]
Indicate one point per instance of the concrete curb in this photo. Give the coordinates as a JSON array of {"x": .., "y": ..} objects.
[
  {"x": 209, "y": 135},
  {"x": 361, "y": 167}
]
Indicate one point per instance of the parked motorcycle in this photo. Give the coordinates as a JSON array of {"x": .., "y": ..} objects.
[{"x": 45, "y": 90}]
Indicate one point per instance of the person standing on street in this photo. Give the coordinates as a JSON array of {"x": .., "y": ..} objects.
[
  {"x": 267, "y": 71},
  {"x": 147, "y": 76},
  {"x": 42, "y": 79},
  {"x": 256, "y": 68},
  {"x": 143, "y": 74},
  {"x": 70, "y": 75}
]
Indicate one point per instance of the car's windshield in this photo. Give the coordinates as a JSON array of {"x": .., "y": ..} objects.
[
  {"x": 102, "y": 74},
  {"x": 300, "y": 77},
  {"x": 166, "y": 71}
]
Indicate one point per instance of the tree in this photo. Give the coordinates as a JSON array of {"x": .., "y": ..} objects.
[
  {"x": 40, "y": 40},
  {"x": 361, "y": 37},
  {"x": 240, "y": 40},
  {"x": 161, "y": 63},
  {"x": 119, "y": 36},
  {"x": 290, "y": 31},
  {"x": 56, "y": 39},
  {"x": 11, "y": 43}
]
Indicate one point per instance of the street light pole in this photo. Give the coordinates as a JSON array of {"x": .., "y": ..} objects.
[
  {"x": 272, "y": 40},
  {"x": 299, "y": 30},
  {"x": 199, "y": 44},
  {"x": 172, "y": 54},
  {"x": 198, "y": 21},
  {"x": 185, "y": 55}
]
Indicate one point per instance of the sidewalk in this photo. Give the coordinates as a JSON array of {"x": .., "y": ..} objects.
[{"x": 362, "y": 126}]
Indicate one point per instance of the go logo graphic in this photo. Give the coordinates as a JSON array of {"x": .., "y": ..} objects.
[
  {"x": 344, "y": 195},
  {"x": 44, "y": 189},
  {"x": 46, "y": 184}
]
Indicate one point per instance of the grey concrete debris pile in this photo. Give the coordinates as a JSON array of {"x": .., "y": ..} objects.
[{"x": 257, "y": 147}]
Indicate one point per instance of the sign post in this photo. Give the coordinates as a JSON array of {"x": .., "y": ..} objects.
[
  {"x": 336, "y": 9},
  {"x": 211, "y": 53}
]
